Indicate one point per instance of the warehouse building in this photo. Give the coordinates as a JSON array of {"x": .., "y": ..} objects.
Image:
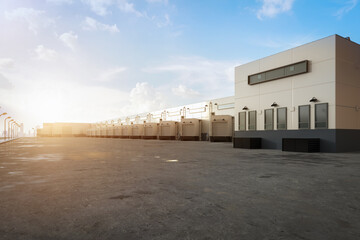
[
  {"x": 302, "y": 99},
  {"x": 305, "y": 97},
  {"x": 208, "y": 120}
]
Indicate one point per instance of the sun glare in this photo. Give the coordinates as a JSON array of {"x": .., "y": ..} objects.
[{"x": 47, "y": 108}]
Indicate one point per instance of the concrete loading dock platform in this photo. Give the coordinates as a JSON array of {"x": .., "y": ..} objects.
[
  {"x": 221, "y": 128},
  {"x": 125, "y": 131},
  {"x": 137, "y": 131},
  {"x": 150, "y": 131},
  {"x": 168, "y": 130},
  {"x": 190, "y": 129}
]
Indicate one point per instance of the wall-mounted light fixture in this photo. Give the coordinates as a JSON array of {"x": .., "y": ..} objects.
[
  {"x": 245, "y": 108},
  {"x": 274, "y": 104},
  {"x": 215, "y": 103},
  {"x": 314, "y": 99}
]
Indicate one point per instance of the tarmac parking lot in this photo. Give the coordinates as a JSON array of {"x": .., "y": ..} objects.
[{"x": 91, "y": 188}]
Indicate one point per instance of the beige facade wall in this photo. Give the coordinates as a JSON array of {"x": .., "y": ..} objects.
[
  {"x": 223, "y": 106},
  {"x": 47, "y": 129},
  {"x": 200, "y": 110},
  {"x": 347, "y": 84},
  {"x": 293, "y": 91}
]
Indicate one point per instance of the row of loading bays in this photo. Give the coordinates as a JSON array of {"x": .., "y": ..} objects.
[{"x": 219, "y": 128}]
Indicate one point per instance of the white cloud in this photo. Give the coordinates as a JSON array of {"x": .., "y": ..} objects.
[
  {"x": 46, "y": 54},
  {"x": 6, "y": 63},
  {"x": 195, "y": 69},
  {"x": 158, "y": 1},
  {"x": 144, "y": 98},
  {"x": 271, "y": 8},
  {"x": 4, "y": 82},
  {"x": 112, "y": 74},
  {"x": 69, "y": 39},
  {"x": 185, "y": 92},
  {"x": 205, "y": 77},
  {"x": 100, "y": 7},
  {"x": 127, "y": 7},
  {"x": 59, "y": 2},
  {"x": 35, "y": 19},
  {"x": 349, "y": 5},
  {"x": 91, "y": 24},
  {"x": 165, "y": 22}
]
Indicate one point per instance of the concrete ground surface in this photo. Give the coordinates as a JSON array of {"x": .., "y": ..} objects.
[
  {"x": 86, "y": 188},
  {"x": 3, "y": 140}
]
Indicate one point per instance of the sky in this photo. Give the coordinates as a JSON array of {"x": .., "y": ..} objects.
[{"x": 93, "y": 60}]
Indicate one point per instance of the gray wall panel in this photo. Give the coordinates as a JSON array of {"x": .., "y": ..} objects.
[
  {"x": 273, "y": 139},
  {"x": 347, "y": 140}
]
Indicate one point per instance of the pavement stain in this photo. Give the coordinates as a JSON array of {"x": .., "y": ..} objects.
[
  {"x": 142, "y": 192},
  {"x": 270, "y": 175},
  {"x": 121, "y": 197},
  {"x": 265, "y": 176}
]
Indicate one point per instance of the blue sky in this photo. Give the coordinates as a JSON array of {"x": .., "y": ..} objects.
[{"x": 90, "y": 60}]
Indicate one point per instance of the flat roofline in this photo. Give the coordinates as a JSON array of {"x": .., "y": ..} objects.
[
  {"x": 349, "y": 40},
  {"x": 144, "y": 114},
  {"x": 66, "y": 123},
  {"x": 334, "y": 35}
]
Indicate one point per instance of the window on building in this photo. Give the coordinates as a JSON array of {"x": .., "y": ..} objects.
[
  {"x": 252, "y": 120},
  {"x": 269, "y": 119},
  {"x": 225, "y": 106},
  {"x": 304, "y": 117},
  {"x": 242, "y": 121},
  {"x": 321, "y": 115},
  {"x": 281, "y": 118},
  {"x": 278, "y": 73}
]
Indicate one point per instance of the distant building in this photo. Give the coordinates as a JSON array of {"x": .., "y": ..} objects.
[
  {"x": 63, "y": 130},
  {"x": 22, "y": 134}
]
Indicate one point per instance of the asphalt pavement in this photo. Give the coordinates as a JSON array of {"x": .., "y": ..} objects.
[{"x": 91, "y": 188}]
